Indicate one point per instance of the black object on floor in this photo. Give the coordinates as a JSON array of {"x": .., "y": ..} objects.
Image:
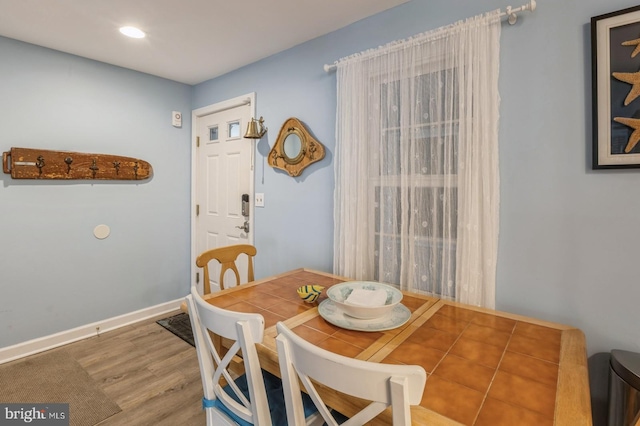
[{"x": 180, "y": 325}]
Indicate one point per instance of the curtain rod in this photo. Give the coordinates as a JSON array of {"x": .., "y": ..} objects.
[{"x": 510, "y": 12}]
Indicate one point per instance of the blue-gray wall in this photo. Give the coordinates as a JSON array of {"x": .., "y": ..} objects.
[
  {"x": 54, "y": 274},
  {"x": 568, "y": 235},
  {"x": 568, "y": 245}
]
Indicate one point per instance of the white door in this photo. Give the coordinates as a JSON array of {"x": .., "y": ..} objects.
[{"x": 223, "y": 175}]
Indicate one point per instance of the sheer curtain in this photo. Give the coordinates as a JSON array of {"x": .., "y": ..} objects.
[{"x": 416, "y": 162}]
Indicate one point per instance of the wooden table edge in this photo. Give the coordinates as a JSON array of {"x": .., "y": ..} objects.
[{"x": 573, "y": 408}]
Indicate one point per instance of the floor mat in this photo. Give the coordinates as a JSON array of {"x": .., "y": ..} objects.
[
  {"x": 55, "y": 377},
  {"x": 180, "y": 325}
]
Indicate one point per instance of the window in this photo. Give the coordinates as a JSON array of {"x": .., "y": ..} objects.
[
  {"x": 234, "y": 129},
  {"x": 213, "y": 133},
  {"x": 414, "y": 184},
  {"x": 416, "y": 161}
]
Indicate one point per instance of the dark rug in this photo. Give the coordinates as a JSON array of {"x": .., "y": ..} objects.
[{"x": 180, "y": 325}]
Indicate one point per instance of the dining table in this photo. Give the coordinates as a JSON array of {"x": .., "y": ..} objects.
[{"x": 484, "y": 367}]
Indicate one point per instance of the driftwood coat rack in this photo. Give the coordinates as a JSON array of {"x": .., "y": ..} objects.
[{"x": 29, "y": 163}]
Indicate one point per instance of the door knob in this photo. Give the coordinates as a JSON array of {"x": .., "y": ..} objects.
[{"x": 244, "y": 227}]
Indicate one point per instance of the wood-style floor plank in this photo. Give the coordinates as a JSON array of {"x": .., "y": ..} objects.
[{"x": 150, "y": 373}]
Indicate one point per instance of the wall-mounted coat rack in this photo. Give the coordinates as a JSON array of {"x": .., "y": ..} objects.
[{"x": 29, "y": 163}]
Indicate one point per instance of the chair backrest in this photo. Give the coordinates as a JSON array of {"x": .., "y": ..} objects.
[
  {"x": 245, "y": 330},
  {"x": 227, "y": 257},
  {"x": 398, "y": 386}
]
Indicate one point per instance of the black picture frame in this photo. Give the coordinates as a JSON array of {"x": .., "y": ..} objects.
[{"x": 615, "y": 58}]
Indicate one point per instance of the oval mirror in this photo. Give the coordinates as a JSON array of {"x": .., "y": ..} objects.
[
  {"x": 292, "y": 147},
  {"x": 295, "y": 148}
]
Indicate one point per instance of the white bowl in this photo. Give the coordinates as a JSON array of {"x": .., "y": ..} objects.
[{"x": 338, "y": 293}]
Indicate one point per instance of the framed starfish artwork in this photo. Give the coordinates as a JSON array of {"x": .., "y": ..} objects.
[{"x": 615, "y": 56}]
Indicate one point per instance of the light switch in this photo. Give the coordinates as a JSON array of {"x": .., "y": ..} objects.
[{"x": 259, "y": 202}]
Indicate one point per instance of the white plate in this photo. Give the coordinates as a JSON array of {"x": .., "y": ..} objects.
[{"x": 333, "y": 314}]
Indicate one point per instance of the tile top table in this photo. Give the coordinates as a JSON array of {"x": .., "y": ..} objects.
[{"x": 484, "y": 367}]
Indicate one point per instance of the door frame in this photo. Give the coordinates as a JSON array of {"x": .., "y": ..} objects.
[{"x": 248, "y": 99}]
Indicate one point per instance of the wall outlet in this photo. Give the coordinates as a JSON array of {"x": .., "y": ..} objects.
[{"x": 259, "y": 199}]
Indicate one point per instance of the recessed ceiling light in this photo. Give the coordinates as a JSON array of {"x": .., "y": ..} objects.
[{"x": 132, "y": 32}]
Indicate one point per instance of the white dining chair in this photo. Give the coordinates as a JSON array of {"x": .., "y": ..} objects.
[
  {"x": 398, "y": 386},
  {"x": 254, "y": 398}
]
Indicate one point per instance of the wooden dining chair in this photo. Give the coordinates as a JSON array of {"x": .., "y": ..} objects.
[
  {"x": 227, "y": 257},
  {"x": 398, "y": 386},
  {"x": 255, "y": 397}
]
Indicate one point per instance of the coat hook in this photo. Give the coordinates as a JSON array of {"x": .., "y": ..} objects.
[
  {"x": 94, "y": 168},
  {"x": 40, "y": 163},
  {"x": 68, "y": 160},
  {"x": 135, "y": 170},
  {"x": 116, "y": 165}
]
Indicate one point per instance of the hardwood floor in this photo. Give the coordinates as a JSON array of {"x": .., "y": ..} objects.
[{"x": 149, "y": 372}]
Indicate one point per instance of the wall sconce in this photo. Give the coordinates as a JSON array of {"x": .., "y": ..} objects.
[{"x": 255, "y": 129}]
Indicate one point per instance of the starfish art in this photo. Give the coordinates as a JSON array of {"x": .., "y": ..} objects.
[
  {"x": 635, "y": 43},
  {"x": 634, "y": 123},
  {"x": 632, "y": 78}
]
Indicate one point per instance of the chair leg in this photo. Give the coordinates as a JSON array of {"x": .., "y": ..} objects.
[{"x": 315, "y": 420}]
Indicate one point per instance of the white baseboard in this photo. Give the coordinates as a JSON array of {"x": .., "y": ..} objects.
[{"x": 42, "y": 344}]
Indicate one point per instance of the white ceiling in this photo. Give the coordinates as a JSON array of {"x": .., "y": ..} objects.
[{"x": 189, "y": 41}]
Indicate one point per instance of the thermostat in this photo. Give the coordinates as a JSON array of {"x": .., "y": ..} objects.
[{"x": 176, "y": 119}]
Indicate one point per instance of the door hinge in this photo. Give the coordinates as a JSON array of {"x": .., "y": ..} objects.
[
  {"x": 197, "y": 277},
  {"x": 197, "y": 209},
  {"x": 197, "y": 141}
]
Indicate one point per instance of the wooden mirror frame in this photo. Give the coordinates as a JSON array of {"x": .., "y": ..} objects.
[{"x": 310, "y": 149}]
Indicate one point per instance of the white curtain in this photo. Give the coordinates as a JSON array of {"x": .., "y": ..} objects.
[{"x": 416, "y": 162}]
